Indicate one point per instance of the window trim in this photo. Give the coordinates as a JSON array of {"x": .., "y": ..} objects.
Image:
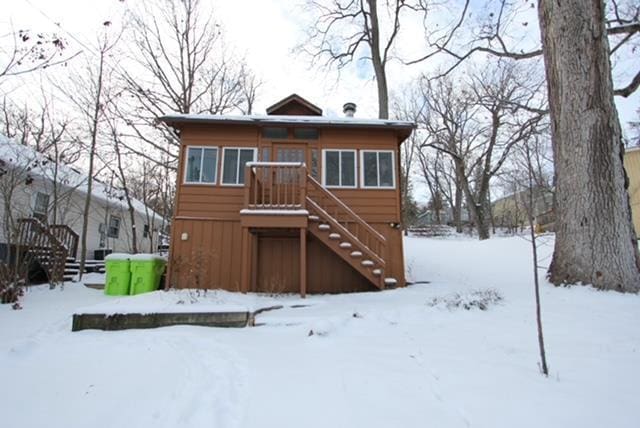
[
  {"x": 393, "y": 169},
  {"x": 224, "y": 149},
  {"x": 186, "y": 166},
  {"x": 324, "y": 168}
]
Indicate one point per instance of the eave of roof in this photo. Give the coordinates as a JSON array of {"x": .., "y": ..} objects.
[{"x": 403, "y": 128}]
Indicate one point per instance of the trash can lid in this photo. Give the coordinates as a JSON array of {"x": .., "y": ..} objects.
[
  {"x": 145, "y": 257},
  {"x": 118, "y": 256}
]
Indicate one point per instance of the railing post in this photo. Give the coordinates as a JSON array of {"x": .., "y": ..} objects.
[
  {"x": 303, "y": 186},
  {"x": 247, "y": 185}
]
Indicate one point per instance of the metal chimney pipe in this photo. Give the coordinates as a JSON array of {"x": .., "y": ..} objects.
[{"x": 349, "y": 109}]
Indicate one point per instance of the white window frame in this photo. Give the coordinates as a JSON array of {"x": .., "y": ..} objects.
[
  {"x": 239, "y": 169},
  {"x": 186, "y": 166},
  {"x": 393, "y": 168},
  {"x": 355, "y": 168}
]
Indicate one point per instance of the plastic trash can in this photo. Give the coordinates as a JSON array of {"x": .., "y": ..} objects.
[
  {"x": 146, "y": 271},
  {"x": 118, "y": 274}
]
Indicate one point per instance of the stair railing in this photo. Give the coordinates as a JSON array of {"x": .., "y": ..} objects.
[
  {"x": 36, "y": 239},
  {"x": 359, "y": 230},
  {"x": 67, "y": 237}
]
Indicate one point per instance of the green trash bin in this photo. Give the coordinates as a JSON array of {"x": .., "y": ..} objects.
[
  {"x": 118, "y": 274},
  {"x": 146, "y": 271}
]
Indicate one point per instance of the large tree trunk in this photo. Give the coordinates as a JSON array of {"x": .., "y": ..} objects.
[
  {"x": 595, "y": 241},
  {"x": 378, "y": 66}
]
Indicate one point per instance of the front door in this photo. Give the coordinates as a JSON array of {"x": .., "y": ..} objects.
[{"x": 287, "y": 180}]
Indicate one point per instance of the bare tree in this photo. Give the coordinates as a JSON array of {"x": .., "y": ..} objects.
[
  {"x": 88, "y": 93},
  {"x": 24, "y": 51},
  {"x": 351, "y": 30},
  {"x": 593, "y": 246},
  {"x": 179, "y": 64},
  {"x": 477, "y": 146},
  {"x": 595, "y": 239}
]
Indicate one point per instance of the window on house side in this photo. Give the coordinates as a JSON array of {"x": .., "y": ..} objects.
[
  {"x": 114, "y": 227},
  {"x": 41, "y": 206},
  {"x": 234, "y": 160},
  {"x": 378, "y": 169},
  {"x": 202, "y": 165},
  {"x": 145, "y": 232},
  {"x": 339, "y": 168}
]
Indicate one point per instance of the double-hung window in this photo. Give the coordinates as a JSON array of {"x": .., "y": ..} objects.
[
  {"x": 41, "y": 206},
  {"x": 114, "y": 227},
  {"x": 233, "y": 162},
  {"x": 202, "y": 165},
  {"x": 377, "y": 169},
  {"x": 339, "y": 168}
]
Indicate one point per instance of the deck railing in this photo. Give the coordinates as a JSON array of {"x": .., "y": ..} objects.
[{"x": 275, "y": 185}]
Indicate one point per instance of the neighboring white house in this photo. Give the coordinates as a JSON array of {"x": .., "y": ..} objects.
[{"x": 31, "y": 185}]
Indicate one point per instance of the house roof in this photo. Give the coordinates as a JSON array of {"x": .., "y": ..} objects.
[
  {"x": 38, "y": 164},
  {"x": 294, "y": 99},
  {"x": 403, "y": 128}
]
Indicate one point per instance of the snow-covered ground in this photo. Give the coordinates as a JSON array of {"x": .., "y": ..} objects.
[{"x": 400, "y": 358}]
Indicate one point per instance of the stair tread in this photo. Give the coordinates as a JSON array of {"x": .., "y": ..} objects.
[
  {"x": 345, "y": 245},
  {"x": 324, "y": 226},
  {"x": 334, "y": 236},
  {"x": 356, "y": 254}
]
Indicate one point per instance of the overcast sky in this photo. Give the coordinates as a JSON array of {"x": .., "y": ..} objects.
[{"x": 264, "y": 32}]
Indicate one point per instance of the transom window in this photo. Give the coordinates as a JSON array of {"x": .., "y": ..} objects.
[
  {"x": 305, "y": 133},
  {"x": 275, "y": 133},
  {"x": 378, "y": 169},
  {"x": 234, "y": 160},
  {"x": 202, "y": 165},
  {"x": 339, "y": 168}
]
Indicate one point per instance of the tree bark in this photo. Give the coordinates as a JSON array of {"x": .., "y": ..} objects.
[
  {"x": 378, "y": 62},
  {"x": 595, "y": 241}
]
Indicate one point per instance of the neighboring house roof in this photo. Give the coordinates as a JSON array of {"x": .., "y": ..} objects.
[
  {"x": 292, "y": 101},
  {"x": 40, "y": 165},
  {"x": 403, "y": 128}
]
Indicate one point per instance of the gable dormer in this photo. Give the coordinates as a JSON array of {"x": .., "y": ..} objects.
[{"x": 294, "y": 105}]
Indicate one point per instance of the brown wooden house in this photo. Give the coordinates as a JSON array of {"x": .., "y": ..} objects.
[{"x": 291, "y": 201}]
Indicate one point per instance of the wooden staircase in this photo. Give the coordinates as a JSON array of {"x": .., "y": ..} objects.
[
  {"x": 50, "y": 246},
  {"x": 330, "y": 220}
]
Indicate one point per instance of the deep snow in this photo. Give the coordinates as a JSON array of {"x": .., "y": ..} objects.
[{"x": 385, "y": 359}]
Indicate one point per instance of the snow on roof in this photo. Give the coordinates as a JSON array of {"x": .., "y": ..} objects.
[
  {"x": 289, "y": 120},
  {"x": 42, "y": 166}
]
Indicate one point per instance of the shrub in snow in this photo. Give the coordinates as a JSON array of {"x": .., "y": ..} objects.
[{"x": 475, "y": 299}]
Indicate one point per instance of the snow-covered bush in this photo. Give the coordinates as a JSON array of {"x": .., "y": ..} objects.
[{"x": 475, "y": 299}]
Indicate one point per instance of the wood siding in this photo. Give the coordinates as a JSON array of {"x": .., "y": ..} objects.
[
  {"x": 632, "y": 165},
  {"x": 209, "y": 215}
]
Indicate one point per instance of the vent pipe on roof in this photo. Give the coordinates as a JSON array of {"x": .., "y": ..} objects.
[{"x": 349, "y": 109}]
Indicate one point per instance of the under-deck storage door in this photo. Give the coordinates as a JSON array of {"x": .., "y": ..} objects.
[{"x": 278, "y": 264}]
